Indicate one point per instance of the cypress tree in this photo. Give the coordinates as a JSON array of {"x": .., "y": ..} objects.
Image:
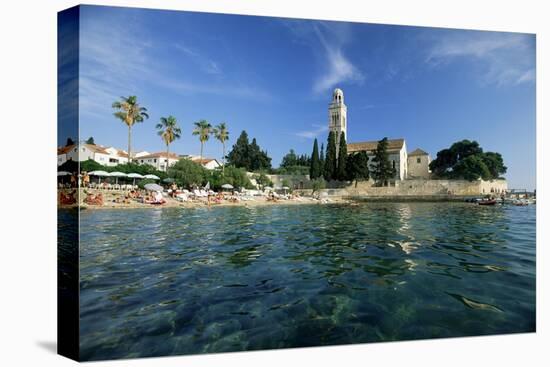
[
  {"x": 383, "y": 170},
  {"x": 314, "y": 169},
  {"x": 239, "y": 156},
  {"x": 322, "y": 160},
  {"x": 330, "y": 161},
  {"x": 357, "y": 167},
  {"x": 342, "y": 155}
]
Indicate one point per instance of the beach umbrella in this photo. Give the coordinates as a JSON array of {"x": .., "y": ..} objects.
[
  {"x": 153, "y": 187},
  {"x": 168, "y": 180},
  {"x": 285, "y": 188},
  {"x": 62, "y": 174},
  {"x": 116, "y": 175},
  {"x": 99, "y": 174},
  {"x": 152, "y": 177},
  {"x": 268, "y": 188},
  {"x": 227, "y": 186},
  {"x": 134, "y": 176}
]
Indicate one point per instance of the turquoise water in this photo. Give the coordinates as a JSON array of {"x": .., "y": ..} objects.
[{"x": 185, "y": 281}]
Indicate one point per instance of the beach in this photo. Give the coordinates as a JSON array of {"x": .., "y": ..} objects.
[{"x": 113, "y": 199}]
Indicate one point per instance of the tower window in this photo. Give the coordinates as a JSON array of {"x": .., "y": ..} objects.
[{"x": 418, "y": 160}]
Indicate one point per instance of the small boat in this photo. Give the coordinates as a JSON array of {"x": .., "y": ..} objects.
[
  {"x": 487, "y": 202},
  {"x": 521, "y": 203}
]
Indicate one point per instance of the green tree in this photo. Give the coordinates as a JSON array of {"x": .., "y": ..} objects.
[
  {"x": 341, "y": 174},
  {"x": 222, "y": 134},
  {"x": 322, "y": 160},
  {"x": 318, "y": 184},
  {"x": 130, "y": 112},
  {"x": 203, "y": 129},
  {"x": 471, "y": 168},
  {"x": 169, "y": 131},
  {"x": 248, "y": 155},
  {"x": 188, "y": 173},
  {"x": 264, "y": 161},
  {"x": 290, "y": 159},
  {"x": 239, "y": 155},
  {"x": 90, "y": 140},
  {"x": 464, "y": 148},
  {"x": 466, "y": 159},
  {"x": 357, "y": 167},
  {"x": 443, "y": 164},
  {"x": 315, "y": 166},
  {"x": 234, "y": 176},
  {"x": 330, "y": 161},
  {"x": 382, "y": 170},
  {"x": 90, "y": 165},
  {"x": 494, "y": 163},
  {"x": 263, "y": 180}
]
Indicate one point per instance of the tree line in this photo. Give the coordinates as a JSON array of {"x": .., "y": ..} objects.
[
  {"x": 466, "y": 159},
  {"x": 338, "y": 165},
  {"x": 130, "y": 112}
]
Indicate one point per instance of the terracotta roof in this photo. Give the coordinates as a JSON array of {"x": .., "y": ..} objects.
[
  {"x": 393, "y": 145},
  {"x": 122, "y": 153},
  {"x": 159, "y": 155},
  {"x": 96, "y": 148},
  {"x": 417, "y": 152},
  {"x": 202, "y": 161},
  {"x": 65, "y": 149}
]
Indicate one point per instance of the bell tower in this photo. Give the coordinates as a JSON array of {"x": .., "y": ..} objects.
[{"x": 337, "y": 116}]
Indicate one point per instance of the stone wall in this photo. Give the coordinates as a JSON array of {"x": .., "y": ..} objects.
[
  {"x": 295, "y": 181},
  {"x": 424, "y": 187}
]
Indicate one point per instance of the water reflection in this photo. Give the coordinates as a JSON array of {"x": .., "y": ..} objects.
[{"x": 197, "y": 280}]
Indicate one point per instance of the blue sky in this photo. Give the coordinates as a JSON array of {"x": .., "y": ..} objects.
[{"x": 274, "y": 77}]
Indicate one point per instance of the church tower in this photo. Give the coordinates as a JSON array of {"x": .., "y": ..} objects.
[{"x": 337, "y": 116}]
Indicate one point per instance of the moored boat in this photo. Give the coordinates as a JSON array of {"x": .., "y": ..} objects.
[{"x": 487, "y": 202}]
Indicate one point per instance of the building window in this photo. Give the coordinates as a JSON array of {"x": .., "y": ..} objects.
[
  {"x": 393, "y": 164},
  {"x": 155, "y": 160},
  {"x": 418, "y": 160}
]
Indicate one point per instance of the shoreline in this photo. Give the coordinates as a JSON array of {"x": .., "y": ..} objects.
[{"x": 261, "y": 202}]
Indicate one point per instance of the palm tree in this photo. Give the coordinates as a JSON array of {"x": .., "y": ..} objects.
[
  {"x": 203, "y": 129},
  {"x": 169, "y": 131},
  {"x": 222, "y": 134},
  {"x": 130, "y": 112}
]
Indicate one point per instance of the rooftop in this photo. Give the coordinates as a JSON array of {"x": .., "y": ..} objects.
[
  {"x": 417, "y": 151},
  {"x": 393, "y": 145}
]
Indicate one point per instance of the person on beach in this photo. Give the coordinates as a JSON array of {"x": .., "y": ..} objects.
[
  {"x": 92, "y": 199},
  {"x": 85, "y": 179}
]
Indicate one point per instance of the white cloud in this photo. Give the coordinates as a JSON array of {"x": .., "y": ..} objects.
[
  {"x": 206, "y": 64},
  {"x": 340, "y": 69},
  {"x": 327, "y": 40},
  {"x": 117, "y": 59},
  {"x": 502, "y": 58},
  {"x": 312, "y": 133}
]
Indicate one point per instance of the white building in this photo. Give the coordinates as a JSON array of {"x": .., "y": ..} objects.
[
  {"x": 208, "y": 163},
  {"x": 337, "y": 116},
  {"x": 161, "y": 160},
  {"x": 397, "y": 154},
  {"x": 108, "y": 156},
  {"x": 397, "y": 148}
]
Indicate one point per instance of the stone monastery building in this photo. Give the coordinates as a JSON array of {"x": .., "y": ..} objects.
[{"x": 407, "y": 165}]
